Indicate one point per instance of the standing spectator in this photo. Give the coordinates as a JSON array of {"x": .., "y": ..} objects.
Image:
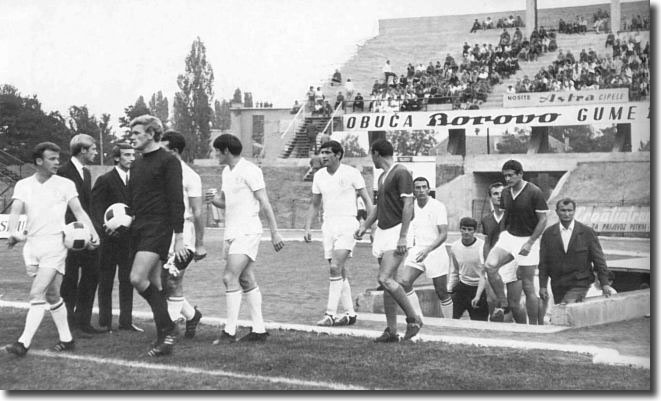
[
  {"x": 394, "y": 212},
  {"x": 319, "y": 99},
  {"x": 467, "y": 281},
  {"x": 114, "y": 253},
  {"x": 387, "y": 72},
  {"x": 348, "y": 86},
  {"x": 476, "y": 26},
  {"x": 310, "y": 95},
  {"x": 339, "y": 100},
  {"x": 79, "y": 295},
  {"x": 44, "y": 197},
  {"x": 569, "y": 253}
]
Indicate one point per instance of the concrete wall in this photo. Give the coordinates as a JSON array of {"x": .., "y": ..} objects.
[{"x": 275, "y": 122}]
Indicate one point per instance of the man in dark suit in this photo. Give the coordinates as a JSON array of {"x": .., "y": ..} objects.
[
  {"x": 79, "y": 295},
  {"x": 569, "y": 254},
  {"x": 114, "y": 253}
]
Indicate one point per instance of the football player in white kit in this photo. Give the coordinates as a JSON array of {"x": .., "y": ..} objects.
[
  {"x": 429, "y": 230},
  {"x": 337, "y": 185},
  {"x": 44, "y": 197},
  {"x": 174, "y": 269}
]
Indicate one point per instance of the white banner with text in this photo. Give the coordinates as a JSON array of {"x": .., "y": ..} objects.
[
  {"x": 4, "y": 225},
  {"x": 535, "y": 99}
]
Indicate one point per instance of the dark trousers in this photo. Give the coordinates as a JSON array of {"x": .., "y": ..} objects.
[
  {"x": 114, "y": 256},
  {"x": 461, "y": 301},
  {"x": 81, "y": 276}
]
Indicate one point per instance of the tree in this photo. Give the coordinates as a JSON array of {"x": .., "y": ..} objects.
[
  {"x": 585, "y": 138},
  {"x": 158, "y": 105},
  {"x": 513, "y": 143},
  {"x": 108, "y": 139},
  {"x": 81, "y": 122},
  {"x": 412, "y": 143},
  {"x": 221, "y": 116},
  {"x": 193, "y": 101},
  {"x": 131, "y": 112},
  {"x": 23, "y": 124},
  {"x": 351, "y": 146},
  {"x": 237, "y": 96}
]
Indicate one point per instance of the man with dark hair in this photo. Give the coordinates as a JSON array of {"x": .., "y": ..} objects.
[
  {"x": 358, "y": 103},
  {"x": 79, "y": 295},
  {"x": 467, "y": 281},
  {"x": 174, "y": 270},
  {"x": 429, "y": 230},
  {"x": 569, "y": 254},
  {"x": 242, "y": 195},
  {"x": 114, "y": 253},
  {"x": 44, "y": 197},
  {"x": 525, "y": 219},
  {"x": 492, "y": 225},
  {"x": 155, "y": 192},
  {"x": 337, "y": 185},
  {"x": 394, "y": 212}
]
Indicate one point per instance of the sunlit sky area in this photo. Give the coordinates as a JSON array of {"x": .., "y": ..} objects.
[{"x": 104, "y": 54}]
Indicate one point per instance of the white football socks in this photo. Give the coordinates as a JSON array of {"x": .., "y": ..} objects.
[
  {"x": 345, "y": 299},
  {"x": 233, "y": 307},
  {"x": 187, "y": 310},
  {"x": 174, "y": 307},
  {"x": 59, "y": 314},
  {"x": 32, "y": 322},
  {"x": 415, "y": 302},
  {"x": 334, "y": 293},
  {"x": 447, "y": 307},
  {"x": 254, "y": 301}
]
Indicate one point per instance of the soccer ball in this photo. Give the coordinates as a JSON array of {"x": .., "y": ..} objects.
[
  {"x": 76, "y": 236},
  {"x": 117, "y": 215}
]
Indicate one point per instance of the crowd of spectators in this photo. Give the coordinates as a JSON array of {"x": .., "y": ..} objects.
[
  {"x": 488, "y": 23},
  {"x": 627, "y": 66},
  {"x": 637, "y": 24}
]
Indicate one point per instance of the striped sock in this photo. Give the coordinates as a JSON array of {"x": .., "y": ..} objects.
[
  {"x": 59, "y": 315},
  {"x": 174, "y": 307},
  {"x": 447, "y": 307},
  {"x": 32, "y": 322},
  {"x": 415, "y": 302},
  {"x": 334, "y": 292},
  {"x": 254, "y": 301},
  {"x": 233, "y": 307}
]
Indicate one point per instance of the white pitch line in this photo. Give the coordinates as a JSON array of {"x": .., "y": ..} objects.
[
  {"x": 600, "y": 355},
  {"x": 197, "y": 371}
]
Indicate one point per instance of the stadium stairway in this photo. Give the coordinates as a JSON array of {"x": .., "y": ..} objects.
[
  {"x": 12, "y": 170},
  {"x": 300, "y": 146}
]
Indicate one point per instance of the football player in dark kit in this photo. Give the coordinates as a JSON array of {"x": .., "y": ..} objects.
[{"x": 156, "y": 198}]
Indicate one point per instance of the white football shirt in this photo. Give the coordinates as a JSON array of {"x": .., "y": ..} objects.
[
  {"x": 45, "y": 204},
  {"x": 425, "y": 221},
  {"x": 192, "y": 185},
  {"x": 338, "y": 191},
  {"x": 241, "y": 205}
]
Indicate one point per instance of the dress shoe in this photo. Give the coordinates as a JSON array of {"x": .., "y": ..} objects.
[
  {"x": 131, "y": 327},
  {"x": 89, "y": 329}
]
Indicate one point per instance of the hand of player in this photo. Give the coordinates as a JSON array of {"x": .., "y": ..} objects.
[
  {"x": 525, "y": 249},
  {"x": 544, "y": 294},
  {"x": 93, "y": 243},
  {"x": 359, "y": 233},
  {"x": 307, "y": 237},
  {"x": 277, "y": 241},
  {"x": 200, "y": 253},
  {"x": 180, "y": 250},
  {"x": 401, "y": 246},
  {"x": 607, "y": 290},
  {"x": 474, "y": 302},
  {"x": 421, "y": 255}
]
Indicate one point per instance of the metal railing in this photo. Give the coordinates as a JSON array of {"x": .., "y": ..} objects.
[
  {"x": 330, "y": 122},
  {"x": 293, "y": 123}
]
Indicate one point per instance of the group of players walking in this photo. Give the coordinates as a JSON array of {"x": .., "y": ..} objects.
[{"x": 167, "y": 233}]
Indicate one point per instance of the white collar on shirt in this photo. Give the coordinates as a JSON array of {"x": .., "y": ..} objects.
[
  {"x": 79, "y": 166},
  {"x": 518, "y": 193},
  {"x": 124, "y": 175},
  {"x": 569, "y": 229}
]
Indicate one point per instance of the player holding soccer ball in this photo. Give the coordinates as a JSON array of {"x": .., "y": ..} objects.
[
  {"x": 44, "y": 197},
  {"x": 174, "y": 269},
  {"x": 109, "y": 189}
]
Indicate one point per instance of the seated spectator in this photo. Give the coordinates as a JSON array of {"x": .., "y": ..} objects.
[
  {"x": 295, "y": 108},
  {"x": 562, "y": 27},
  {"x": 476, "y": 26},
  {"x": 337, "y": 78},
  {"x": 327, "y": 109},
  {"x": 358, "y": 103},
  {"x": 510, "y": 89},
  {"x": 519, "y": 22},
  {"x": 518, "y": 36},
  {"x": 339, "y": 100},
  {"x": 553, "y": 45},
  {"x": 488, "y": 23}
]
